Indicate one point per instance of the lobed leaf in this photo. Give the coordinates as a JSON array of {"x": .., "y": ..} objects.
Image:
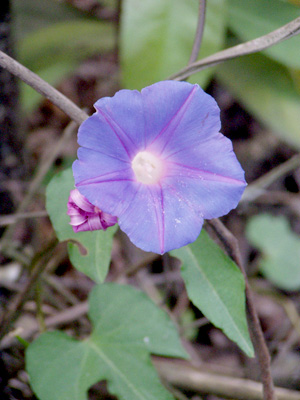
[
  {"x": 127, "y": 328},
  {"x": 216, "y": 286},
  {"x": 89, "y": 251}
]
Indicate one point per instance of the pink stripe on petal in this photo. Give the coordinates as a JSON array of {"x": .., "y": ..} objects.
[
  {"x": 77, "y": 219},
  {"x": 95, "y": 222},
  {"x": 168, "y": 131},
  {"x": 81, "y": 201},
  {"x": 178, "y": 169},
  {"x": 82, "y": 228},
  {"x": 108, "y": 220}
]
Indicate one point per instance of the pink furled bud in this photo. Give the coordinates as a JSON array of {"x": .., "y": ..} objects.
[{"x": 86, "y": 217}]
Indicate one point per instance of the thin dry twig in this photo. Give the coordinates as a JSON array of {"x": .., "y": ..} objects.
[
  {"x": 199, "y": 32},
  {"x": 56, "y": 284},
  {"x": 262, "y": 353},
  {"x": 41, "y": 86},
  {"x": 64, "y": 317},
  {"x": 13, "y": 218},
  {"x": 252, "y": 46},
  {"x": 182, "y": 374}
]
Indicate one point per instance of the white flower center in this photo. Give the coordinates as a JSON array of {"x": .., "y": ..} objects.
[{"x": 147, "y": 167}]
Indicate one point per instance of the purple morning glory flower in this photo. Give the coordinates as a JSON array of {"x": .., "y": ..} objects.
[
  {"x": 156, "y": 160},
  {"x": 86, "y": 217}
]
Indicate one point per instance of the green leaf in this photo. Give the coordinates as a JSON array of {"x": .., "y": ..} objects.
[
  {"x": 250, "y": 19},
  {"x": 30, "y": 15},
  {"x": 89, "y": 251},
  {"x": 81, "y": 39},
  {"x": 44, "y": 52},
  {"x": 216, "y": 286},
  {"x": 157, "y": 38},
  {"x": 127, "y": 328},
  {"x": 280, "y": 249},
  {"x": 266, "y": 90}
]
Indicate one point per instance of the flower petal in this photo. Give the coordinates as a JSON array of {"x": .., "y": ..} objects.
[
  {"x": 84, "y": 227},
  {"x": 107, "y": 183},
  {"x": 214, "y": 154},
  {"x": 94, "y": 222},
  {"x": 182, "y": 223},
  {"x": 77, "y": 219},
  {"x": 94, "y": 166},
  {"x": 183, "y": 112},
  {"x": 158, "y": 220},
  {"x": 118, "y": 112},
  {"x": 107, "y": 220},
  {"x": 142, "y": 220},
  {"x": 96, "y": 134},
  {"x": 80, "y": 201},
  {"x": 210, "y": 198},
  {"x": 177, "y": 125}
]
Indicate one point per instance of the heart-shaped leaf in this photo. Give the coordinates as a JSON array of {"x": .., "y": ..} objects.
[{"x": 128, "y": 326}]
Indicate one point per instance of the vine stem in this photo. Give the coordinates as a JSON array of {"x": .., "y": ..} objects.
[
  {"x": 252, "y": 46},
  {"x": 41, "y": 86},
  {"x": 199, "y": 32},
  {"x": 261, "y": 350}
]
